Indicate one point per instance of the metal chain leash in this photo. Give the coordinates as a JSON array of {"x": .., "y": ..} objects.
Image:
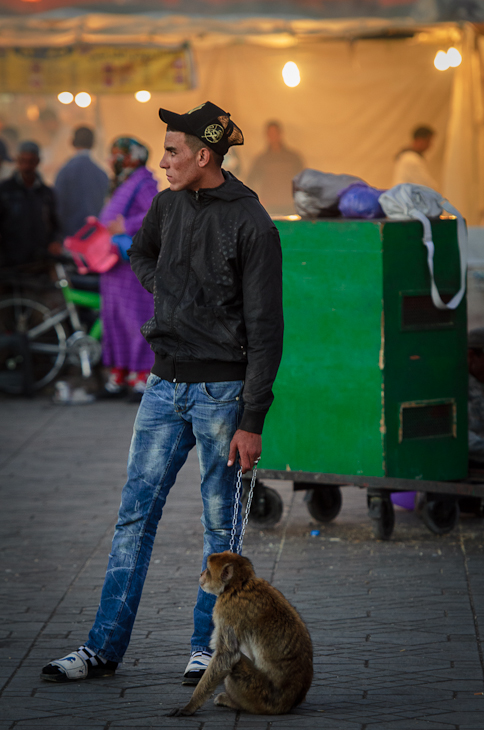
[{"x": 237, "y": 502}]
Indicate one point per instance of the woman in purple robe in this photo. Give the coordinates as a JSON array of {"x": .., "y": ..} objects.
[{"x": 126, "y": 306}]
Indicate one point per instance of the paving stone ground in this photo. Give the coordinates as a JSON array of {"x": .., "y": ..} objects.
[{"x": 397, "y": 626}]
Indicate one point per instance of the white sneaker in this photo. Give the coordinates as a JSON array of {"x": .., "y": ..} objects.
[{"x": 196, "y": 667}]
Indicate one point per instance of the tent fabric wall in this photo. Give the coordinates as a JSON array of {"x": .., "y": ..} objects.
[
  {"x": 352, "y": 112},
  {"x": 463, "y": 159}
]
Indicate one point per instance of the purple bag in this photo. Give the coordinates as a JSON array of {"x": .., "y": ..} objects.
[{"x": 360, "y": 201}]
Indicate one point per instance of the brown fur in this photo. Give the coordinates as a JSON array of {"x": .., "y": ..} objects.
[{"x": 263, "y": 650}]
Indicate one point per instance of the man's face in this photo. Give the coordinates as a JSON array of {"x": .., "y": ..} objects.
[
  {"x": 27, "y": 162},
  {"x": 180, "y": 163},
  {"x": 274, "y": 135},
  {"x": 422, "y": 144}
]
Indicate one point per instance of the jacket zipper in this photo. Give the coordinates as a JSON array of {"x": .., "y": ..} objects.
[{"x": 183, "y": 291}]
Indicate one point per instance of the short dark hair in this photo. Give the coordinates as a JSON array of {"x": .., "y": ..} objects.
[
  {"x": 274, "y": 123},
  {"x": 83, "y": 138},
  {"x": 195, "y": 144},
  {"x": 423, "y": 132}
]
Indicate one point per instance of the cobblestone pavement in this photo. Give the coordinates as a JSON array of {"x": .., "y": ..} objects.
[{"x": 396, "y": 625}]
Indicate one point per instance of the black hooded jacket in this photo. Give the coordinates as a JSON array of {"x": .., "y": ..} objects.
[{"x": 212, "y": 260}]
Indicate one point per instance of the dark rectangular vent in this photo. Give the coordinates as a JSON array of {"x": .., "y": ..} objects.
[
  {"x": 418, "y": 421},
  {"x": 419, "y": 312}
]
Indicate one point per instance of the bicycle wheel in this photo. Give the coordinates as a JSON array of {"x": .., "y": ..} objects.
[{"x": 46, "y": 337}]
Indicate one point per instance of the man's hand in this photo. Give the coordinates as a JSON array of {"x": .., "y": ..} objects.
[
  {"x": 116, "y": 226},
  {"x": 249, "y": 446}
]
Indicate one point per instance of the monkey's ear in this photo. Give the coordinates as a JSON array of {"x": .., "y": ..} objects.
[{"x": 227, "y": 572}]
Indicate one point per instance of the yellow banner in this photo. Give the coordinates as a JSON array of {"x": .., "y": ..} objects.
[{"x": 95, "y": 69}]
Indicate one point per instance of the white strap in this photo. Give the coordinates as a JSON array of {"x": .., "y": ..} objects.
[
  {"x": 73, "y": 666},
  {"x": 429, "y": 244}
]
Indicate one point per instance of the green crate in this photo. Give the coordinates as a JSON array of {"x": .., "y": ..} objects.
[{"x": 373, "y": 378}]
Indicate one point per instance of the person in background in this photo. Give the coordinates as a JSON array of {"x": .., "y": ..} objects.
[
  {"x": 81, "y": 186},
  {"x": 272, "y": 173},
  {"x": 10, "y": 135},
  {"x": 410, "y": 163},
  {"x": 126, "y": 306},
  {"x": 29, "y": 226},
  {"x": 5, "y": 160},
  {"x": 55, "y": 137}
]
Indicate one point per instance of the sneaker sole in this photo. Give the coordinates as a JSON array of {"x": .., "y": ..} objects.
[{"x": 64, "y": 679}]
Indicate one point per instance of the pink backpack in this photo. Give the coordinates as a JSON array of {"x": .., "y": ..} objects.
[{"x": 92, "y": 248}]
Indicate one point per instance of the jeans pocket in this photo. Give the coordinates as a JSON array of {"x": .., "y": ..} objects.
[
  {"x": 152, "y": 381},
  {"x": 224, "y": 392}
]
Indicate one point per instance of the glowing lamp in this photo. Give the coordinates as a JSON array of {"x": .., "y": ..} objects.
[
  {"x": 290, "y": 74},
  {"x": 142, "y": 96},
  {"x": 441, "y": 61},
  {"x": 65, "y": 97},
  {"x": 83, "y": 99},
  {"x": 454, "y": 58}
]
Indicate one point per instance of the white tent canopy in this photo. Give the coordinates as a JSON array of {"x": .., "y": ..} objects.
[{"x": 365, "y": 83}]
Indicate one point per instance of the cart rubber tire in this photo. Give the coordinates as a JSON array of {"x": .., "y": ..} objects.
[
  {"x": 324, "y": 503},
  {"x": 382, "y": 516},
  {"x": 440, "y": 514},
  {"x": 267, "y": 511}
]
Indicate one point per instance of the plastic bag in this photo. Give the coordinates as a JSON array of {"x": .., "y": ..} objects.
[
  {"x": 360, "y": 201},
  {"x": 316, "y": 194},
  {"x": 410, "y": 202}
]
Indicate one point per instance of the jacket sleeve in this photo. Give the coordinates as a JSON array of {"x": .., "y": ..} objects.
[
  {"x": 262, "y": 297},
  {"x": 143, "y": 254}
]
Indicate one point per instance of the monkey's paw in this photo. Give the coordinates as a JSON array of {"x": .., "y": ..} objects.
[
  {"x": 179, "y": 712},
  {"x": 223, "y": 700}
]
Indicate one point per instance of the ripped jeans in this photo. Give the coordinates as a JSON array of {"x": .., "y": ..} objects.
[{"x": 172, "y": 418}]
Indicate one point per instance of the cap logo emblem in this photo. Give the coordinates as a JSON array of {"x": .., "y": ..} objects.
[
  {"x": 196, "y": 108},
  {"x": 213, "y": 133}
]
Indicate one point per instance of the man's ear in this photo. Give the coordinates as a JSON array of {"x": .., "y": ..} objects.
[{"x": 204, "y": 157}]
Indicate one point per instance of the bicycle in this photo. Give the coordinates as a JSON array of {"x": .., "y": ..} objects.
[{"x": 51, "y": 336}]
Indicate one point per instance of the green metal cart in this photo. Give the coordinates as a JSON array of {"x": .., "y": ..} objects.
[{"x": 372, "y": 387}]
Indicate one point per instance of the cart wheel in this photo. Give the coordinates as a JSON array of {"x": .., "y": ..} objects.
[
  {"x": 382, "y": 514},
  {"x": 267, "y": 506},
  {"x": 440, "y": 513},
  {"x": 323, "y": 503}
]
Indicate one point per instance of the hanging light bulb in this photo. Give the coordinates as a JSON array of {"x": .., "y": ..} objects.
[
  {"x": 290, "y": 74},
  {"x": 441, "y": 62},
  {"x": 142, "y": 96},
  {"x": 83, "y": 99},
  {"x": 65, "y": 97},
  {"x": 454, "y": 58}
]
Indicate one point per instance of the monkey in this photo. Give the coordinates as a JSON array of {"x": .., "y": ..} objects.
[{"x": 262, "y": 648}]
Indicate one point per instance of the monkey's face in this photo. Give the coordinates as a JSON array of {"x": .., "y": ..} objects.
[
  {"x": 209, "y": 584},
  {"x": 216, "y": 575}
]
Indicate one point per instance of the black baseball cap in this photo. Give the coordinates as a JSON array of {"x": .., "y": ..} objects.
[{"x": 209, "y": 123}]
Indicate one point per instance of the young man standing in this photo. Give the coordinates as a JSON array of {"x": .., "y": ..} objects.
[{"x": 211, "y": 256}]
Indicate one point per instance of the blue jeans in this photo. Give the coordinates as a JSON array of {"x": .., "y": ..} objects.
[{"x": 172, "y": 418}]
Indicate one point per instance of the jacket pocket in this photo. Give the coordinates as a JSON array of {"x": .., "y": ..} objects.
[{"x": 232, "y": 337}]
